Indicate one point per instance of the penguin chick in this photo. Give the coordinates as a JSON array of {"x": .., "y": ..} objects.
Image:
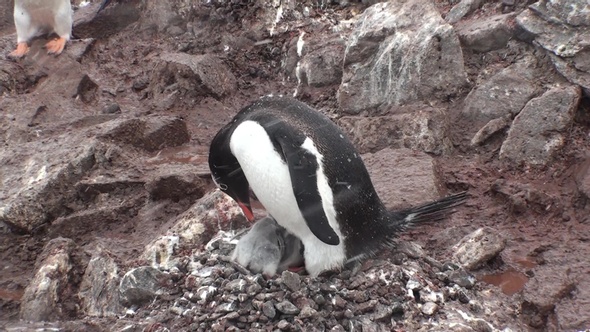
[
  {"x": 32, "y": 17},
  {"x": 268, "y": 248},
  {"x": 310, "y": 178}
]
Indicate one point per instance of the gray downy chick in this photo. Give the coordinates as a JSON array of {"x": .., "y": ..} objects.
[{"x": 268, "y": 248}]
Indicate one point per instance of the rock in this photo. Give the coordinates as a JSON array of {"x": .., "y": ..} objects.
[
  {"x": 283, "y": 325},
  {"x": 162, "y": 14},
  {"x": 269, "y": 309},
  {"x": 68, "y": 79},
  {"x": 78, "y": 48},
  {"x": 86, "y": 90},
  {"x": 176, "y": 182},
  {"x": 112, "y": 109},
  {"x": 291, "y": 280},
  {"x": 536, "y": 133},
  {"x": 413, "y": 249},
  {"x": 414, "y": 173},
  {"x": 308, "y": 312},
  {"x": 227, "y": 307},
  {"x": 564, "y": 11},
  {"x": 477, "y": 248},
  {"x": 583, "y": 179},
  {"x": 185, "y": 77},
  {"x": 489, "y": 34},
  {"x": 575, "y": 69},
  {"x": 164, "y": 131},
  {"x": 141, "y": 285},
  {"x": 555, "y": 36},
  {"x": 150, "y": 133},
  {"x": 462, "y": 278},
  {"x": 287, "y": 308},
  {"x": 38, "y": 179},
  {"x": 429, "y": 308},
  {"x": 43, "y": 299},
  {"x": 236, "y": 285},
  {"x": 492, "y": 127},
  {"x": 461, "y": 9},
  {"x": 320, "y": 63},
  {"x": 563, "y": 29},
  {"x": 160, "y": 253},
  {"x": 504, "y": 94},
  {"x": 549, "y": 286},
  {"x": 99, "y": 290},
  {"x": 196, "y": 226},
  {"x": 206, "y": 293},
  {"x": 397, "y": 54},
  {"x": 109, "y": 22},
  {"x": 425, "y": 129}
]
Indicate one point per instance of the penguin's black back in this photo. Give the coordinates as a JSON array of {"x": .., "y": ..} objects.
[{"x": 360, "y": 213}]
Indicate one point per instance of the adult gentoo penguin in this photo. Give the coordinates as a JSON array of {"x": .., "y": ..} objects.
[
  {"x": 310, "y": 178},
  {"x": 32, "y": 17}
]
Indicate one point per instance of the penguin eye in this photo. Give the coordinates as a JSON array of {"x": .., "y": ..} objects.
[{"x": 222, "y": 186}]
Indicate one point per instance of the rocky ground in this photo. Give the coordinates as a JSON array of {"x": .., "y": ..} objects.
[{"x": 109, "y": 221}]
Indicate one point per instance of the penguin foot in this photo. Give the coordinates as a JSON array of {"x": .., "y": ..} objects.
[
  {"x": 21, "y": 49},
  {"x": 56, "y": 46}
]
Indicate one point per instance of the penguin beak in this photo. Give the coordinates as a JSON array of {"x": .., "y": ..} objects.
[{"x": 247, "y": 209}]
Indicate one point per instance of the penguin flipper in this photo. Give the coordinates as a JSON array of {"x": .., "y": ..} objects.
[{"x": 303, "y": 166}]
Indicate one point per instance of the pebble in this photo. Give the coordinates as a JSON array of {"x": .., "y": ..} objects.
[
  {"x": 291, "y": 280},
  {"x": 287, "y": 307},
  {"x": 429, "y": 308},
  {"x": 283, "y": 325},
  {"x": 269, "y": 310}
]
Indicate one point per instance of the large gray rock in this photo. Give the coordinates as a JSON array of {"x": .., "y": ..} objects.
[
  {"x": 176, "y": 182},
  {"x": 554, "y": 36},
  {"x": 562, "y": 27},
  {"x": 43, "y": 297},
  {"x": 503, "y": 94},
  {"x": 99, "y": 290},
  {"x": 181, "y": 77},
  {"x": 572, "y": 12},
  {"x": 403, "y": 177},
  {"x": 150, "y": 133},
  {"x": 549, "y": 286},
  {"x": 425, "y": 129},
  {"x": 37, "y": 179},
  {"x": 461, "y": 9},
  {"x": 398, "y": 54},
  {"x": 537, "y": 132},
  {"x": 486, "y": 35},
  {"x": 315, "y": 60},
  {"x": 196, "y": 227}
]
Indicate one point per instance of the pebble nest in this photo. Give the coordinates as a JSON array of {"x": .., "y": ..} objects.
[{"x": 209, "y": 292}]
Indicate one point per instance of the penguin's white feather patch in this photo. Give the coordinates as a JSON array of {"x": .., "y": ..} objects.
[{"x": 269, "y": 179}]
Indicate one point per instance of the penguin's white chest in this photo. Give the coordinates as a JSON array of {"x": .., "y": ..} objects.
[{"x": 269, "y": 178}]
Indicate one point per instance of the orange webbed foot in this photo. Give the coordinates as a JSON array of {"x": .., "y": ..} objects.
[
  {"x": 21, "y": 49},
  {"x": 56, "y": 46}
]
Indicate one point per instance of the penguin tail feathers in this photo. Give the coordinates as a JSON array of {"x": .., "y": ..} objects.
[{"x": 427, "y": 213}]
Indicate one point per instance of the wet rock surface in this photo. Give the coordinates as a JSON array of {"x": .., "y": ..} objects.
[{"x": 104, "y": 176}]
